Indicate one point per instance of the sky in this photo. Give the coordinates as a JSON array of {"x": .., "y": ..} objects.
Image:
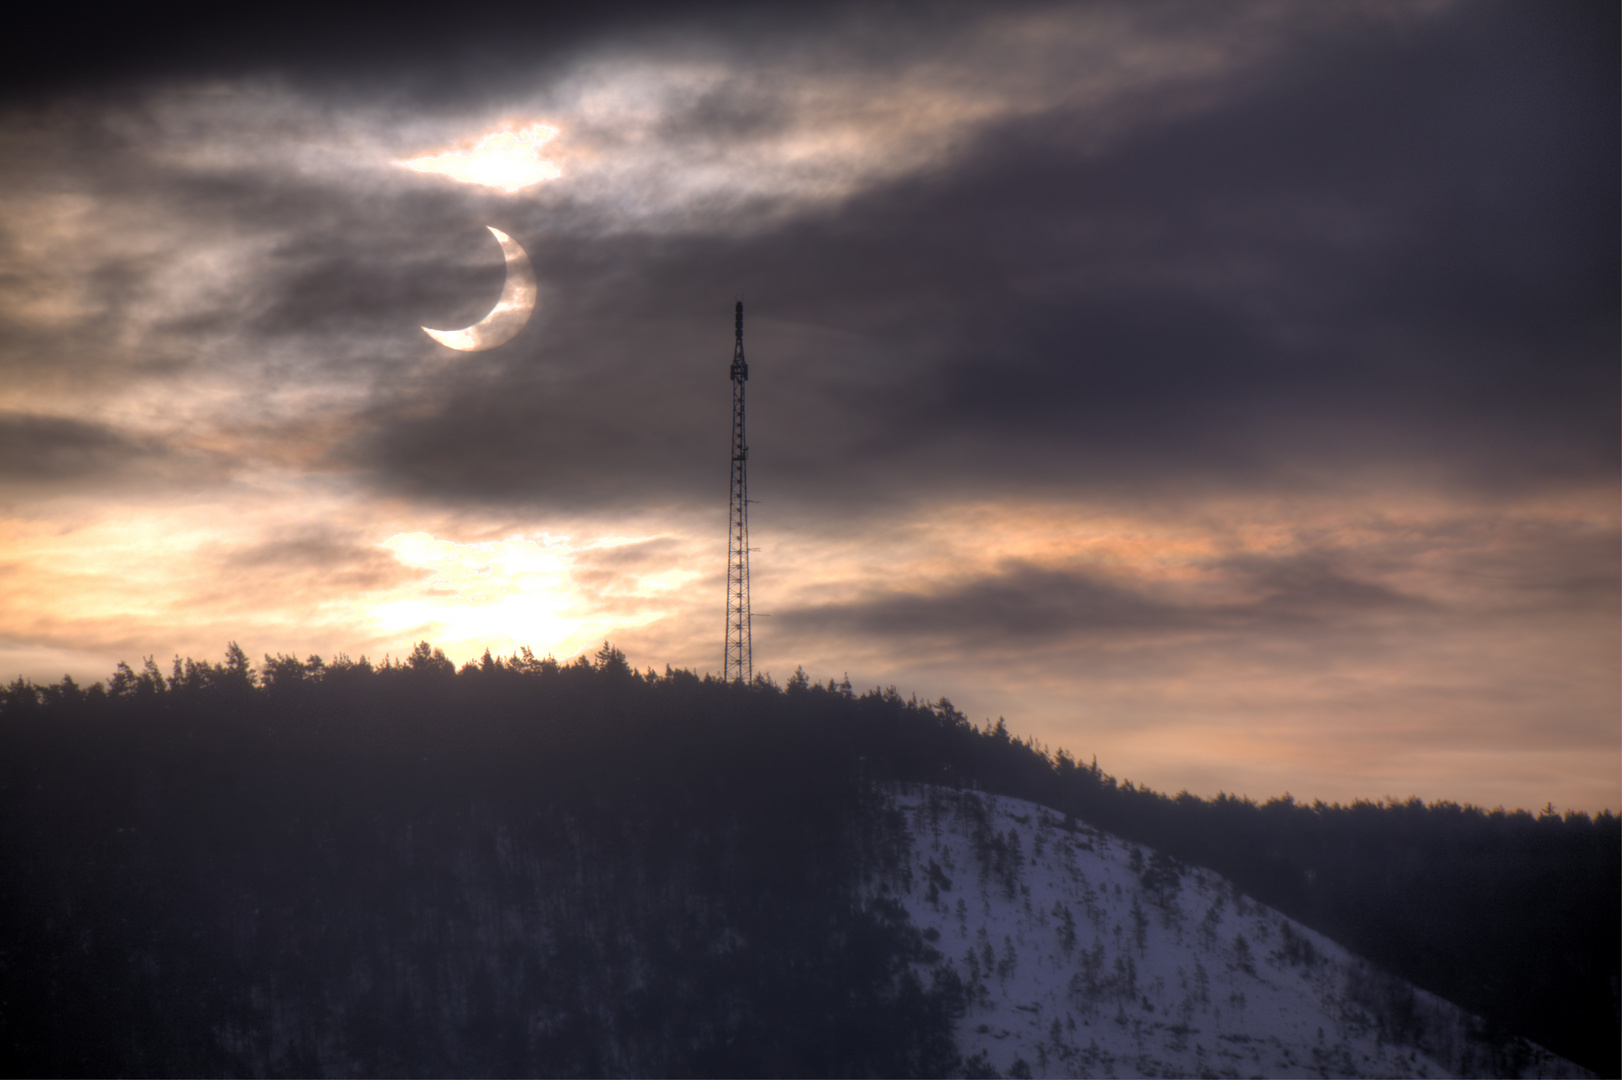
[{"x": 1229, "y": 392}]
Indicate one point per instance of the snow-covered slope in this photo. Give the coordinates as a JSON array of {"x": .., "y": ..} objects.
[{"x": 1090, "y": 956}]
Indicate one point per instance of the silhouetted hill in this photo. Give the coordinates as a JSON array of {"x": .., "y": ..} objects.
[{"x": 574, "y": 869}]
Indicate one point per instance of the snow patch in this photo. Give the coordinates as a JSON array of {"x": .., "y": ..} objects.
[{"x": 1087, "y": 955}]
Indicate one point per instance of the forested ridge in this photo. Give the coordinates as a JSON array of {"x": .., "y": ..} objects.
[{"x": 525, "y": 866}]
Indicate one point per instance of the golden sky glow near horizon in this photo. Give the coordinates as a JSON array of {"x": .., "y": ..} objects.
[
  {"x": 1253, "y": 472},
  {"x": 655, "y": 594}
]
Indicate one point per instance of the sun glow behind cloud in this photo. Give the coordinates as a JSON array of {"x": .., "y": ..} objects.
[
  {"x": 521, "y": 592},
  {"x": 511, "y": 590},
  {"x": 509, "y": 160},
  {"x": 1332, "y": 649}
]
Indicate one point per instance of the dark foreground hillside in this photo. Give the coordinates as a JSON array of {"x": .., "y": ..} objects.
[
  {"x": 526, "y": 868},
  {"x": 404, "y": 872}
]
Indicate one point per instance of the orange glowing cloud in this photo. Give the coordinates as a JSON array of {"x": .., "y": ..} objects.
[
  {"x": 558, "y": 596},
  {"x": 509, "y": 160}
]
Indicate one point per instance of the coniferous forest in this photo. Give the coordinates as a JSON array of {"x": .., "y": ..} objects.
[{"x": 526, "y": 867}]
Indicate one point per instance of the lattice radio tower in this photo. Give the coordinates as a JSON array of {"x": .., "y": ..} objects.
[{"x": 739, "y": 664}]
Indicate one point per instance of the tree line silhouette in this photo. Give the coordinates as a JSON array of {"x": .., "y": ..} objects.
[{"x": 526, "y": 866}]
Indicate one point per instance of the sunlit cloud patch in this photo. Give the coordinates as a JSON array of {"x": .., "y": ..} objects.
[
  {"x": 548, "y": 593},
  {"x": 509, "y": 160}
]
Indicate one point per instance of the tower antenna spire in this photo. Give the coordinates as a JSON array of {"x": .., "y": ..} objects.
[{"x": 739, "y": 663}]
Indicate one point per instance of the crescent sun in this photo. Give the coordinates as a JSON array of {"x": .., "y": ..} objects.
[{"x": 511, "y": 312}]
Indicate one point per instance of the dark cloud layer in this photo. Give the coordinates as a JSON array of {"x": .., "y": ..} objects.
[
  {"x": 432, "y": 50},
  {"x": 339, "y": 559},
  {"x": 61, "y": 454},
  {"x": 1385, "y": 253},
  {"x": 1021, "y": 604},
  {"x": 1379, "y": 250},
  {"x": 1018, "y": 605}
]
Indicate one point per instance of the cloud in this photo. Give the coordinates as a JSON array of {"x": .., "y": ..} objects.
[
  {"x": 1019, "y": 605},
  {"x": 1173, "y": 367},
  {"x": 316, "y": 552},
  {"x": 1072, "y": 250},
  {"x": 1270, "y": 290},
  {"x": 52, "y": 457},
  {"x": 1297, "y": 591},
  {"x": 53, "y": 449},
  {"x": 509, "y": 160},
  {"x": 1013, "y": 607}
]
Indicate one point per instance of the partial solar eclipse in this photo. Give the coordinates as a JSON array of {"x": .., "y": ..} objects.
[{"x": 511, "y": 312}]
